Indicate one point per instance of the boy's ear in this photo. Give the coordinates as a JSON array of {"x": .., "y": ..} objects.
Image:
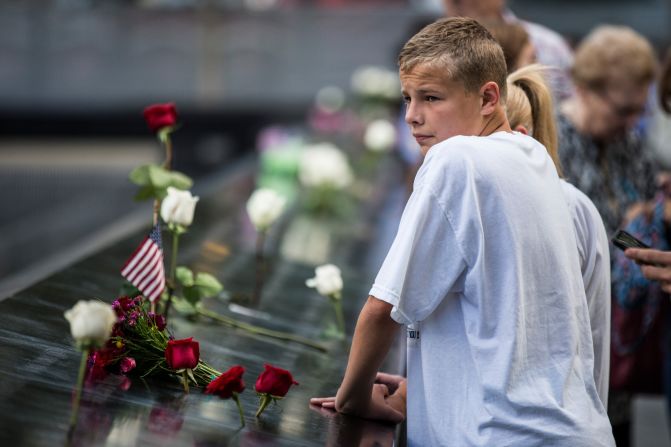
[{"x": 490, "y": 97}]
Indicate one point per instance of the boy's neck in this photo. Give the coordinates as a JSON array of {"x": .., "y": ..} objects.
[{"x": 496, "y": 122}]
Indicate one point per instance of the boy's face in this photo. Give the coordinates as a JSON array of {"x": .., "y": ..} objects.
[{"x": 438, "y": 108}]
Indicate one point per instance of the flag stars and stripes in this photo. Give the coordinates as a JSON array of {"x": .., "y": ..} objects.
[{"x": 144, "y": 269}]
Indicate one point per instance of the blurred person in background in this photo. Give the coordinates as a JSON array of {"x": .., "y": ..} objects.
[
  {"x": 604, "y": 157},
  {"x": 659, "y": 130},
  {"x": 655, "y": 265},
  {"x": 550, "y": 47},
  {"x": 530, "y": 111},
  {"x": 514, "y": 39}
]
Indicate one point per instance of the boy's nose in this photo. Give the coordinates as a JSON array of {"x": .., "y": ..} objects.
[{"x": 412, "y": 115}]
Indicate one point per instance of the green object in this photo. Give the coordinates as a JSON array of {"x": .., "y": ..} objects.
[{"x": 154, "y": 180}]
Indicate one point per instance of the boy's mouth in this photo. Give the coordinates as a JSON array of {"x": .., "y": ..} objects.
[{"x": 420, "y": 138}]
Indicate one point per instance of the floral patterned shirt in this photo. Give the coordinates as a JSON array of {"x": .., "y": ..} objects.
[{"x": 624, "y": 175}]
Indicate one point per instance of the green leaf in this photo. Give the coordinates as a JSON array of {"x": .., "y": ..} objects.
[
  {"x": 159, "y": 177},
  {"x": 191, "y": 294},
  {"x": 204, "y": 286},
  {"x": 180, "y": 180},
  {"x": 209, "y": 285},
  {"x": 184, "y": 276},
  {"x": 183, "y": 306},
  {"x": 140, "y": 175},
  {"x": 154, "y": 181},
  {"x": 145, "y": 192}
]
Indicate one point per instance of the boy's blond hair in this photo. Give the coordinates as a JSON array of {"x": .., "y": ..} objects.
[
  {"x": 462, "y": 48},
  {"x": 611, "y": 55},
  {"x": 530, "y": 105}
]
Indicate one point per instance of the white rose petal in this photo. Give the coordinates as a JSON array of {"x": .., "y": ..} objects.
[
  {"x": 324, "y": 164},
  {"x": 380, "y": 136},
  {"x": 91, "y": 322},
  {"x": 178, "y": 207},
  {"x": 327, "y": 280},
  {"x": 264, "y": 207}
]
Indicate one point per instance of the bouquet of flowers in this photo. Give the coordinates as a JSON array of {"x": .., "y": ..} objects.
[{"x": 140, "y": 344}]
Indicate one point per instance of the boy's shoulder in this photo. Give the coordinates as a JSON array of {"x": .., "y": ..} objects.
[{"x": 461, "y": 148}]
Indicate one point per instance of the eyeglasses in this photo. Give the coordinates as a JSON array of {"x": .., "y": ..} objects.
[{"x": 621, "y": 110}]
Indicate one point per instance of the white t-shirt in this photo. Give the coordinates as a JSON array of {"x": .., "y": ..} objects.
[
  {"x": 594, "y": 254},
  {"x": 484, "y": 271}
]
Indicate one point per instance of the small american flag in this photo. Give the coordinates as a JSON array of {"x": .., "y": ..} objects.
[{"x": 144, "y": 269}]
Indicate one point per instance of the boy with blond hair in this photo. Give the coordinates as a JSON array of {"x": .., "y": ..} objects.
[{"x": 483, "y": 271}]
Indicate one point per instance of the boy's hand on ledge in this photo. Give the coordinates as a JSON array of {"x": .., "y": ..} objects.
[
  {"x": 381, "y": 407},
  {"x": 397, "y": 400},
  {"x": 391, "y": 380}
]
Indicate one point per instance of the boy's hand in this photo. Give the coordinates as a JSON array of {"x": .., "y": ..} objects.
[
  {"x": 379, "y": 408},
  {"x": 391, "y": 380},
  {"x": 398, "y": 399}
]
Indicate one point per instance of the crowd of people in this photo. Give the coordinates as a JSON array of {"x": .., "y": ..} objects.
[{"x": 525, "y": 325}]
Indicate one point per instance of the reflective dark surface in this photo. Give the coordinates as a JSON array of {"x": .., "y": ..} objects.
[{"x": 38, "y": 362}]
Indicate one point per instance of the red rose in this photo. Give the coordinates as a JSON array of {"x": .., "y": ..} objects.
[
  {"x": 182, "y": 354},
  {"x": 159, "y": 116},
  {"x": 228, "y": 383},
  {"x": 274, "y": 381}
]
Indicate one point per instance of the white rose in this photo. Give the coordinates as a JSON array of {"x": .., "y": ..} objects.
[
  {"x": 327, "y": 280},
  {"x": 380, "y": 135},
  {"x": 264, "y": 207},
  {"x": 324, "y": 164},
  {"x": 178, "y": 207},
  {"x": 91, "y": 322}
]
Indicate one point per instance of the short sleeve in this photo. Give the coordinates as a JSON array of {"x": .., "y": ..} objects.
[{"x": 424, "y": 263}]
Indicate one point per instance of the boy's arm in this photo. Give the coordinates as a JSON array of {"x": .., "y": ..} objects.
[{"x": 373, "y": 336}]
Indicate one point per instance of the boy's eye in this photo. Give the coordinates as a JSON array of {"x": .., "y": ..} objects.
[
  {"x": 406, "y": 99},
  {"x": 430, "y": 98}
]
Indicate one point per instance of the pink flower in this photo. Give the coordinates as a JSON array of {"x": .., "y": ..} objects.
[{"x": 127, "y": 364}]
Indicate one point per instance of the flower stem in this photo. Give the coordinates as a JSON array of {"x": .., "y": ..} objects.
[
  {"x": 260, "y": 330},
  {"x": 237, "y": 402},
  {"x": 167, "y": 164},
  {"x": 260, "y": 268},
  {"x": 265, "y": 401},
  {"x": 78, "y": 391},
  {"x": 185, "y": 381},
  {"x": 337, "y": 306},
  {"x": 173, "y": 270}
]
